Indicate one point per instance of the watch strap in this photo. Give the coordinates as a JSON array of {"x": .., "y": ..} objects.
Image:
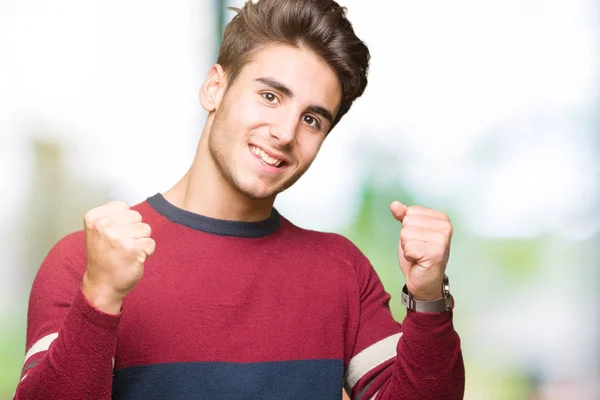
[{"x": 432, "y": 306}]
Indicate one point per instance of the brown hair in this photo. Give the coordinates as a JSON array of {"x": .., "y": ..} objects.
[{"x": 320, "y": 25}]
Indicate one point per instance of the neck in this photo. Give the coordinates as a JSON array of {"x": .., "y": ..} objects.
[{"x": 204, "y": 190}]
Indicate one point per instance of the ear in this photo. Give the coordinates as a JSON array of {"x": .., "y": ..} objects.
[{"x": 213, "y": 88}]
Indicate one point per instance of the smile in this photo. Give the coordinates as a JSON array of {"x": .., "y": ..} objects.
[{"x": 267, "y": 159}]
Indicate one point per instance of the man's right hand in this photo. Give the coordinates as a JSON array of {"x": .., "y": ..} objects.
[{"x": 117, "y": 245}]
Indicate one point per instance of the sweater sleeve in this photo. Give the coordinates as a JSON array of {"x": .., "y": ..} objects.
[
  {"x": 418, "y": 359},
  {"x": 70, "y": 345}
]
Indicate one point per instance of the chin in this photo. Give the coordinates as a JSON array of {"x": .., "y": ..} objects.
[{"x": 257, "y": 191}]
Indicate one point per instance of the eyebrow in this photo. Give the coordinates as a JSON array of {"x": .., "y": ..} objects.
[
  {"x": 322, "y": 111},
  {"x": 286, "y": 91}
]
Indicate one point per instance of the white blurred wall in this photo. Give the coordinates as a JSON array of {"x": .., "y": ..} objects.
[{"x": 116, "y": 83}]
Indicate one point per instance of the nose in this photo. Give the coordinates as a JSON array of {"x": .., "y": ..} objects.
[{"x": 284, "y": 130}]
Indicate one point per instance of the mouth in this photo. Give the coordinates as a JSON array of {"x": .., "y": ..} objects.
[{"x": 267, "y": 158}]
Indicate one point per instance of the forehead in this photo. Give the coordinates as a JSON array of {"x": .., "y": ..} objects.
[{"x": 310, "y": 78}]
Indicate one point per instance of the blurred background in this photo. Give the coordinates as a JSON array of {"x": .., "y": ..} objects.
[{"x": 489, "y": 111}]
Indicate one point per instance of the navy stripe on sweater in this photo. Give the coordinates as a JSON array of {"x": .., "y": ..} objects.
[{"x": 298, "y": 380}]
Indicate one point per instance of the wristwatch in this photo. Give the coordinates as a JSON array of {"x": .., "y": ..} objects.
[{"x": 432, "y": 306}]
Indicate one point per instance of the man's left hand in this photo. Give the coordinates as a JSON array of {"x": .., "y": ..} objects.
[{"x": 424, "y": 249}]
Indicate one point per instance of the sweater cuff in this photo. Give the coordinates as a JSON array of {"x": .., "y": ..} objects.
[
  {"x": 91, "y": 314},
  {"x": 426, "y": 325}
]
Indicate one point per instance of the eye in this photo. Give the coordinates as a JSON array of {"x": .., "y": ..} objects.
[
  {"x": 270, "y": 97},
  {"x": 312, "y": 121}
]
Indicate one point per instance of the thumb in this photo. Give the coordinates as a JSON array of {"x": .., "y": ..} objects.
[{"x": 398, "y": 210}]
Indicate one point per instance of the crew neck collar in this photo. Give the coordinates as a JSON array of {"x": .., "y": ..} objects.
[{"x": 213, "y": 225}]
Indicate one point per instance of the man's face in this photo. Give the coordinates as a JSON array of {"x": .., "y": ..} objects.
[{"x": 272, "y": 121}]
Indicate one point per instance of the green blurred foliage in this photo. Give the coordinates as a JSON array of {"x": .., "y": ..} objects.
[
  {"x": 12, "y": 351},
  {"x": 376, "y": 232}
]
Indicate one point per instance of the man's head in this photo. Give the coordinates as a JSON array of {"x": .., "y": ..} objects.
[
  {"x": 288, "y": 70},
  {"x": 317, "y": 25}
]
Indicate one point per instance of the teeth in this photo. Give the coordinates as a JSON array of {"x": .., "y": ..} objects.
[{"x": 265, "y": 157}]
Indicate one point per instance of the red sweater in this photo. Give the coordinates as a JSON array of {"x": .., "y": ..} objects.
[{"x": 234, "y": 310}]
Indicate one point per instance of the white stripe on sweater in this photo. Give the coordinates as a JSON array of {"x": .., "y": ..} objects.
[
  {"x": 370, "y": 358},
  {"x": 41, "y": 345}
]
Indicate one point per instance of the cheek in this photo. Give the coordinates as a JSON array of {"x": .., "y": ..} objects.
[
  {"x": 250, "y": 113},
  {"x": 309, "y": 146}
]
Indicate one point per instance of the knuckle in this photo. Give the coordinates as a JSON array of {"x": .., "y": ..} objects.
[
  {"x": 404, "y": 234},
  {"x": 111, "y": 235},
  {"x": 441, "y": 238},
  {"x": 413, "y": 250},
  {"x": 448, "y": 230},
  {"x": 129, "y": 247},
  {"x": 119, "y": 204},
  {"x": 102, "y": 226},
  {"x": 136, "y": 216},
  {"x": 410, "y": 253},
  {"x": 88, "y": 219},
  {"x": 146, "y": 230}
]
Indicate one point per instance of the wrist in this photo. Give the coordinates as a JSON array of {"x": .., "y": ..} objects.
[
  {"x": 101, "y": 296},
  {"x": 426, "y": 296},
  {"x": 428, "y": 301},
  {"x": 433, "y": 292}
]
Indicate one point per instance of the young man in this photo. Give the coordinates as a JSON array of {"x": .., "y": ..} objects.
[{"x": 207, "y": 292}]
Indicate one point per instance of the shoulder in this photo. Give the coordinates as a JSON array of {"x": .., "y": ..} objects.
[
  {"x": 149, "y": 213},
  {"x": 70, "y": 248},
  {"x": 333, "y": 244},
  {"x": 64, "y": 263},
  {"x": 332, "y": 252}
]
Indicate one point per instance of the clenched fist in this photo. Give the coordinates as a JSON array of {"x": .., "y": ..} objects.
[
  {"x": 117, "y": 244},
  {"x": 424, "y": 249}
]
